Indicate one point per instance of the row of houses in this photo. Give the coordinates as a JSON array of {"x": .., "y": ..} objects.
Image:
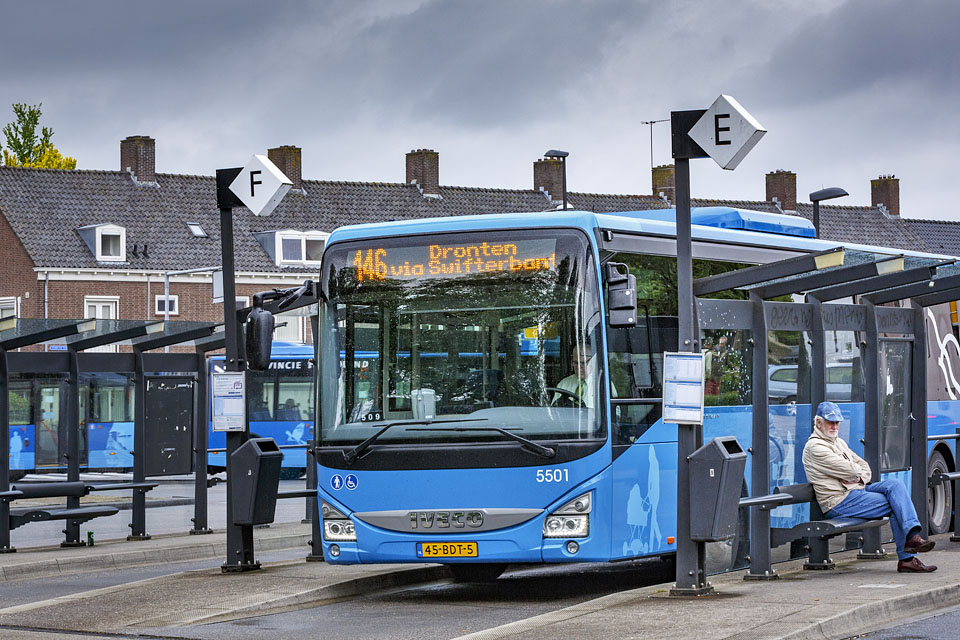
[{"x": 102, "y": 244}]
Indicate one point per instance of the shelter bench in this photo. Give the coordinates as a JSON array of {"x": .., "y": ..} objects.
[
  {"x": 78, "y": 515},
  {"x": 818, "y": 530}
]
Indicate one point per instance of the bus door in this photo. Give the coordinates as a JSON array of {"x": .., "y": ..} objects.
[{"x": 895, "y": 405}]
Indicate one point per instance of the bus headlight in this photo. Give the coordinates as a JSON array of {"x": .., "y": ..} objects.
[
  {"x": 572, "y": 520},
  {"x": 336, "y": 526}
]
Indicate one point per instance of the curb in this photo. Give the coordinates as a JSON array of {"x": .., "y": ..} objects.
[
  {"x": 195, "y": 550},
  {"x": 878, "y": 615}
]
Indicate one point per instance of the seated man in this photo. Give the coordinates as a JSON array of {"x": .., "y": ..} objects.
[
  {"x": 839, "y": 478},
  {"x": 581, "y": 385}
]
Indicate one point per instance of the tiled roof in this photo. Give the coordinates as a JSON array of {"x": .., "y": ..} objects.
[
  {"x": 45, "y": 207},
  {"x": 940, "y": 236},
  {"x": 865, "y": 225}
]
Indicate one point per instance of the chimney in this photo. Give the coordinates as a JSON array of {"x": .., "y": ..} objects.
[
  {"x": 885, "y": 192},
  {"x": 782, "y": 185},
  {"x": 548, "y": 175},
  {"x": 287, "y": 159},
  {"x": 423, "y": 168},
  {"x": 664, "y": 181},
  {"x": 138, "y": 155}
]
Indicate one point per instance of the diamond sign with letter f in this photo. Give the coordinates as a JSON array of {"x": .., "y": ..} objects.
[
  {"x": 260, "y": 185},
  {"x": 726, "y": 132}
]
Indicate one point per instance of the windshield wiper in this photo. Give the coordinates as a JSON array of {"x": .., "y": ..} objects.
[
  {"x": 352, "y": 455},
  {"x": 528, "y": 445}
]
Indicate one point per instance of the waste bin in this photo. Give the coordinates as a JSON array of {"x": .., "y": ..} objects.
[
  {"x": 255, "y": 474},
  {"x": 716, "y": 476}
]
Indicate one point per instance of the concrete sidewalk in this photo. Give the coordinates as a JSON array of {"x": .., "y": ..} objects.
[{"x": 858, "y": 596}]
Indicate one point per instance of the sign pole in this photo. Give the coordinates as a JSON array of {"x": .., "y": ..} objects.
[
  {"x": 240, "y": 552},
  {"x": 726, "y": 133}
]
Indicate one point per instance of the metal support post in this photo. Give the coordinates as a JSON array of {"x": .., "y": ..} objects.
[
  {"x": 691, "y": 555},
  {"x": 240, "y": 552},
  {"x": 313, "y": 511},
  {"x": 956, "y": 512},
  {"x": 918, "y": 419},
  {"x": 5, "y": 546},
  {"x": 138, "y": 522},
  {"x": 72, "y": 530},
  {"x": 760, "y": 559},
  {"x": 201, "y": 417},
  {"x": 872, "y": 547}
]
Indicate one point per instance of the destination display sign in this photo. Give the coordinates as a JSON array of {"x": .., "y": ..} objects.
[{"x": 377, "y": 263}]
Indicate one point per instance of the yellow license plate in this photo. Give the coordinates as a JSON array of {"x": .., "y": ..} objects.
[{"x": 446, "y": 549}]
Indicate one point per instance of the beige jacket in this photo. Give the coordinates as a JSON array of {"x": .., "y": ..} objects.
[{"x": 833, "y": 469}]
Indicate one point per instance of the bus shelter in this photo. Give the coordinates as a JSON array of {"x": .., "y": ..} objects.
[
  {"x": 75, "y": 339},
  {"x": 796, "y": 340}
]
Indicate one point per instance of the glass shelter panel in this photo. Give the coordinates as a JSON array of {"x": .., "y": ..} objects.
[{"x": 895, "y": 381}]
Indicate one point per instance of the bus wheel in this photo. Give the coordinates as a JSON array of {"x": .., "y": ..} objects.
[
  {"x": 17, "y": 475},
  {"x": 486, "y": 572},
  {"x": 939, "y": 496}
]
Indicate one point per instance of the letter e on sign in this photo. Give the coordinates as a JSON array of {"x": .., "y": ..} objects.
[
  {"x": 260, "y": 185},
  {"x": 726, "y": 132}
]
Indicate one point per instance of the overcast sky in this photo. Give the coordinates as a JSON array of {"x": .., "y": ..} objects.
[{"x": 848, "y": 90}]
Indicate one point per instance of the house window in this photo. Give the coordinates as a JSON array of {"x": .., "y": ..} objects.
[
  {"x": 8, "y": 307},
  {"x": 111, "y": 241},
  {"x": 102, "y": 308},
  {"x": 291, "y": 329},
  {"x": 167, "y": 302},
  {"x": 303, "y": 248},
  {"x": 196, "y": 229},
  {"x": 242, "y": 301}
]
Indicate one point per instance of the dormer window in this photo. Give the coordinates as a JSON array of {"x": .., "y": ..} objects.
[
  {"x": 291, "y": 247},
  {"x": 107, "y": 242}
]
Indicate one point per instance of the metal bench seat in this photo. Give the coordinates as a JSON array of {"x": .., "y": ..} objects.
[
  {"x": 20, "y": 517},
  {"x": 824, "y": 529}
]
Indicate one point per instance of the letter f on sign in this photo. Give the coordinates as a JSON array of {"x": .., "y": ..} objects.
[{"x": 254, "y": 182}]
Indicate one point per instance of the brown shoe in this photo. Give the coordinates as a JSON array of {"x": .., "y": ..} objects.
[
  {"x": 916, "y": 544},
  {"x": 913, "y": 565}
]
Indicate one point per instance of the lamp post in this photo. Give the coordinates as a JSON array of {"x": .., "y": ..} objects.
[
  {"x": 556, "y": 153},
  {"x": 650, "y": 123},
  {"x": 823, "y": 194}
]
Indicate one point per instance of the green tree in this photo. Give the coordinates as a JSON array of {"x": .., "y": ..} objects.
[{"x": 25, "y": 148}]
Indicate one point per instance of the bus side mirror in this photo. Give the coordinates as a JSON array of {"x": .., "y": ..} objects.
[
  {"x": 621, "y": 294},
  {"x": 259, "y": 338}
]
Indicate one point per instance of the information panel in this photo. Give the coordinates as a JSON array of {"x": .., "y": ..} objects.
[
  {"x": 229, "y": 401},
  {"x": 683, "y": 388}
]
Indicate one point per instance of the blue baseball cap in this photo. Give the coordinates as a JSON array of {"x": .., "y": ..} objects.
[{"x": 829, "y": 411}]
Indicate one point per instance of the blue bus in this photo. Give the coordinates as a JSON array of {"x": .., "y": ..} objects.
[
  {"x": 280, "y": 405},
  {"x": 482, "y": 461}
]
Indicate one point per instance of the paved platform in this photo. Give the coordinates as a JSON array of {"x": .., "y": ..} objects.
[{"x": 856, "y": 597}]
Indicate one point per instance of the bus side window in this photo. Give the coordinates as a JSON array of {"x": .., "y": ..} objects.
[{"x": 634, "y": 373}]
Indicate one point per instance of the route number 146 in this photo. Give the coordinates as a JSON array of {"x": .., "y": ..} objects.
[{"x": 553, "y": 475}]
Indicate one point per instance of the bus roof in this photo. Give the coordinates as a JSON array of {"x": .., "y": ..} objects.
[{"x": 719, "y": 224}]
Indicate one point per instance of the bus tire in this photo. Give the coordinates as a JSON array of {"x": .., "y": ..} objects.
[
  {"x": 483, "y": 572},
  {"x": 939, "y": 496},
  {"x": 213, "y": 469},
  {"x": 16, "y": 475}
]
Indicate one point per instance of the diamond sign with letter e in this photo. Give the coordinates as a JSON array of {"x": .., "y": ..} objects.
[
  {"x": 260, "y": 185},
  {"x": 726, "y": 132}
]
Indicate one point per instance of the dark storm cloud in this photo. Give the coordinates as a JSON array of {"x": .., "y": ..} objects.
[
  {"x": 482, "y": 63},
  {"x": 866, "y": 44}
]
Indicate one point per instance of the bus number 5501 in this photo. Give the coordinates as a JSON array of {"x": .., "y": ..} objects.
[{"x": 553, "y": 475}]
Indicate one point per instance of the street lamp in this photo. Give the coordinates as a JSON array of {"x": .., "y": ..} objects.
[
  {"x": 556, "y": 153},
  {"x": 824, "y": 194},
  {"x": 650, "y": 123}
]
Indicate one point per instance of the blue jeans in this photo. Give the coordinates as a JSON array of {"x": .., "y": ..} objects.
[{"x": 886, "y": 498}]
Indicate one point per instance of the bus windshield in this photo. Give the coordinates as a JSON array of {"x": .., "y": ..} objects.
[{"x": 493, "y": 330}]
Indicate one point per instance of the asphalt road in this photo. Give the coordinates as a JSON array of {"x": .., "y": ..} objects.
[
  {"x": 442, "y": 610},
  {"x": 943, "y": 625}
]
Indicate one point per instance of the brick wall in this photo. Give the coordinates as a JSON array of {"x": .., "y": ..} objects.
[
  {"x": 548, "y": 173},
  {"x": 423, "y": 167},
  {"x": 17, "y": 277},
  {"x": 782, "y": 185},
  {"x": 885, "y": 190}
]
